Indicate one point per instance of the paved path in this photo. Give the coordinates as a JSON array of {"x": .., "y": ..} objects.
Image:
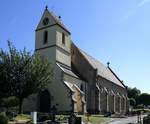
[{"x": 132, "y": 120}]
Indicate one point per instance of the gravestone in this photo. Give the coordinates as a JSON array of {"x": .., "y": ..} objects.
[{"x": 34, "y": 117}]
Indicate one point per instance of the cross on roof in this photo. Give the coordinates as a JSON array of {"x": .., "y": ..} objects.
[{"x": 46, "y": 7}]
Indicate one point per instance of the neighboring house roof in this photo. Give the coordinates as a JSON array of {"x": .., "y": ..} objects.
[
  {"x": 103, "y": 71},
  {"x": 67, "y": 70}
]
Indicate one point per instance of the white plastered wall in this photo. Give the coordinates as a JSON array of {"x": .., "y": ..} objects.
[
  {"x": 60, "y": 92},
  {"x": 63, "y": 50},
  {"x": 39, "y": 38}
]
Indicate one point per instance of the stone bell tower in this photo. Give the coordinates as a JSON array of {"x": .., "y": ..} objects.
[{"x": 53, "y": 39}]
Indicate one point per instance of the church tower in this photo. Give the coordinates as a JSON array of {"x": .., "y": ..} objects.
[{"x": 53, "y": 39}]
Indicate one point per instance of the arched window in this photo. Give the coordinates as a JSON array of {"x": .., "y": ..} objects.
[
  {"x": 45, "y": 37},
  {"x": 45, "y": 101}
]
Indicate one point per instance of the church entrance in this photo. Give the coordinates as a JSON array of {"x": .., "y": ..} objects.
[{"x": 45, "y": 101}]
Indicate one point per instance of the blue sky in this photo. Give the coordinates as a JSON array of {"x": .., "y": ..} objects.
[{"x": 110, "y": 30}]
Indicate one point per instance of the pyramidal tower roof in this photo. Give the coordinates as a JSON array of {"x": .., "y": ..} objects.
[{"x": 54, "y": 20}]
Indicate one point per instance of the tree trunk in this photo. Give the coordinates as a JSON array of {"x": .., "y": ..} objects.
[{"x": 20, "y": 105}]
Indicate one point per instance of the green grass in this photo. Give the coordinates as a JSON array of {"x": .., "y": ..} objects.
[
  {"x": 62, "y": 117},
  {"x": 21, "y": 118},
  {"x": 143, "y": 110},
  {"x": 10, "y": 122},
  {"x": 95, "y": 119}
]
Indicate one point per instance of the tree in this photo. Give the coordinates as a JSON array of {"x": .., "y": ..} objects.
[
  {"x": 9, "y": 102},
  {"x": 133, "y": 92},
  {"x": 144, "y": 99},
  {"x": 132, "y": 102},
  {"x": 23, "y": 73},
  {"x": 4, "y": 75}
]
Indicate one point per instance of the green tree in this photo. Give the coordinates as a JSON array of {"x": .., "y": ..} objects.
[
  {"x": 4, "y": 75},
  {"x": 9, "y": 102},
  {"x": 132, "y": 102},
  {"x": 23, "y": 74},
  {"x": 144, "y": 99},
  {"x": 3, "y": 118},
  {"x": 133, "y": 92}
]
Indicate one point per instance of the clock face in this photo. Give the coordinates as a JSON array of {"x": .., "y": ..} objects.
[{"x": 45, "y": 21}]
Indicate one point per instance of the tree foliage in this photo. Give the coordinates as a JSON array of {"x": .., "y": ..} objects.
[
  {"x": 22, "y": 73},
  {"x": 140, "y": 98},
  {"x": 9, "y": 102},
  {"x": 144, "y": 99},
  {"x": 3, "y": 119},
  {"x": 132, "y": 102},
  {"x": 133, "y": 92}
]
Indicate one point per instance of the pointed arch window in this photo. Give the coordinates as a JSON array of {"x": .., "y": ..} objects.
[{"x": 45, "y": 37}]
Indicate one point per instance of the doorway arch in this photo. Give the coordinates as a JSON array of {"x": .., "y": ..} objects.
[{"x": 45, "y": 101}]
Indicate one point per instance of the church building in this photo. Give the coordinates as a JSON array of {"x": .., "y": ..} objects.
[{"x": 81, "y": 83}]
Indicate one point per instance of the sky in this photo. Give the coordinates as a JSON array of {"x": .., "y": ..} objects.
[{"x": 117, "y": 31}]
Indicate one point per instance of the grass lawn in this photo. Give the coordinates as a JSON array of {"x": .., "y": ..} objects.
[
  {"x": 23, "y": 117},
  {"x": 95, "y": 119},
  {"x": 146, "y": 110},
  {"x": 11, "y": 122},
  {"x": 20, "y": 118}
]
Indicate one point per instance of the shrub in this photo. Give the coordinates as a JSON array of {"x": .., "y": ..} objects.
[
  {"x": 60, "y": 117},
  {"x": 3, "y": 119},
  {"x": 141, "y": 106},
  {"x": 11, "y": 115}
]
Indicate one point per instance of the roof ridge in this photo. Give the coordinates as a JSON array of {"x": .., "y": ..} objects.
[
  {"x": 93, "y": 57},
  {"x": 57, "y": 20},
  {"x": 117, "y": 76},
  {"x": 103, "y": 71}
]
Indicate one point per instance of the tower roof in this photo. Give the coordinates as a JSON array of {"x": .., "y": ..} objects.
[{"x": 55, "y": 20}]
